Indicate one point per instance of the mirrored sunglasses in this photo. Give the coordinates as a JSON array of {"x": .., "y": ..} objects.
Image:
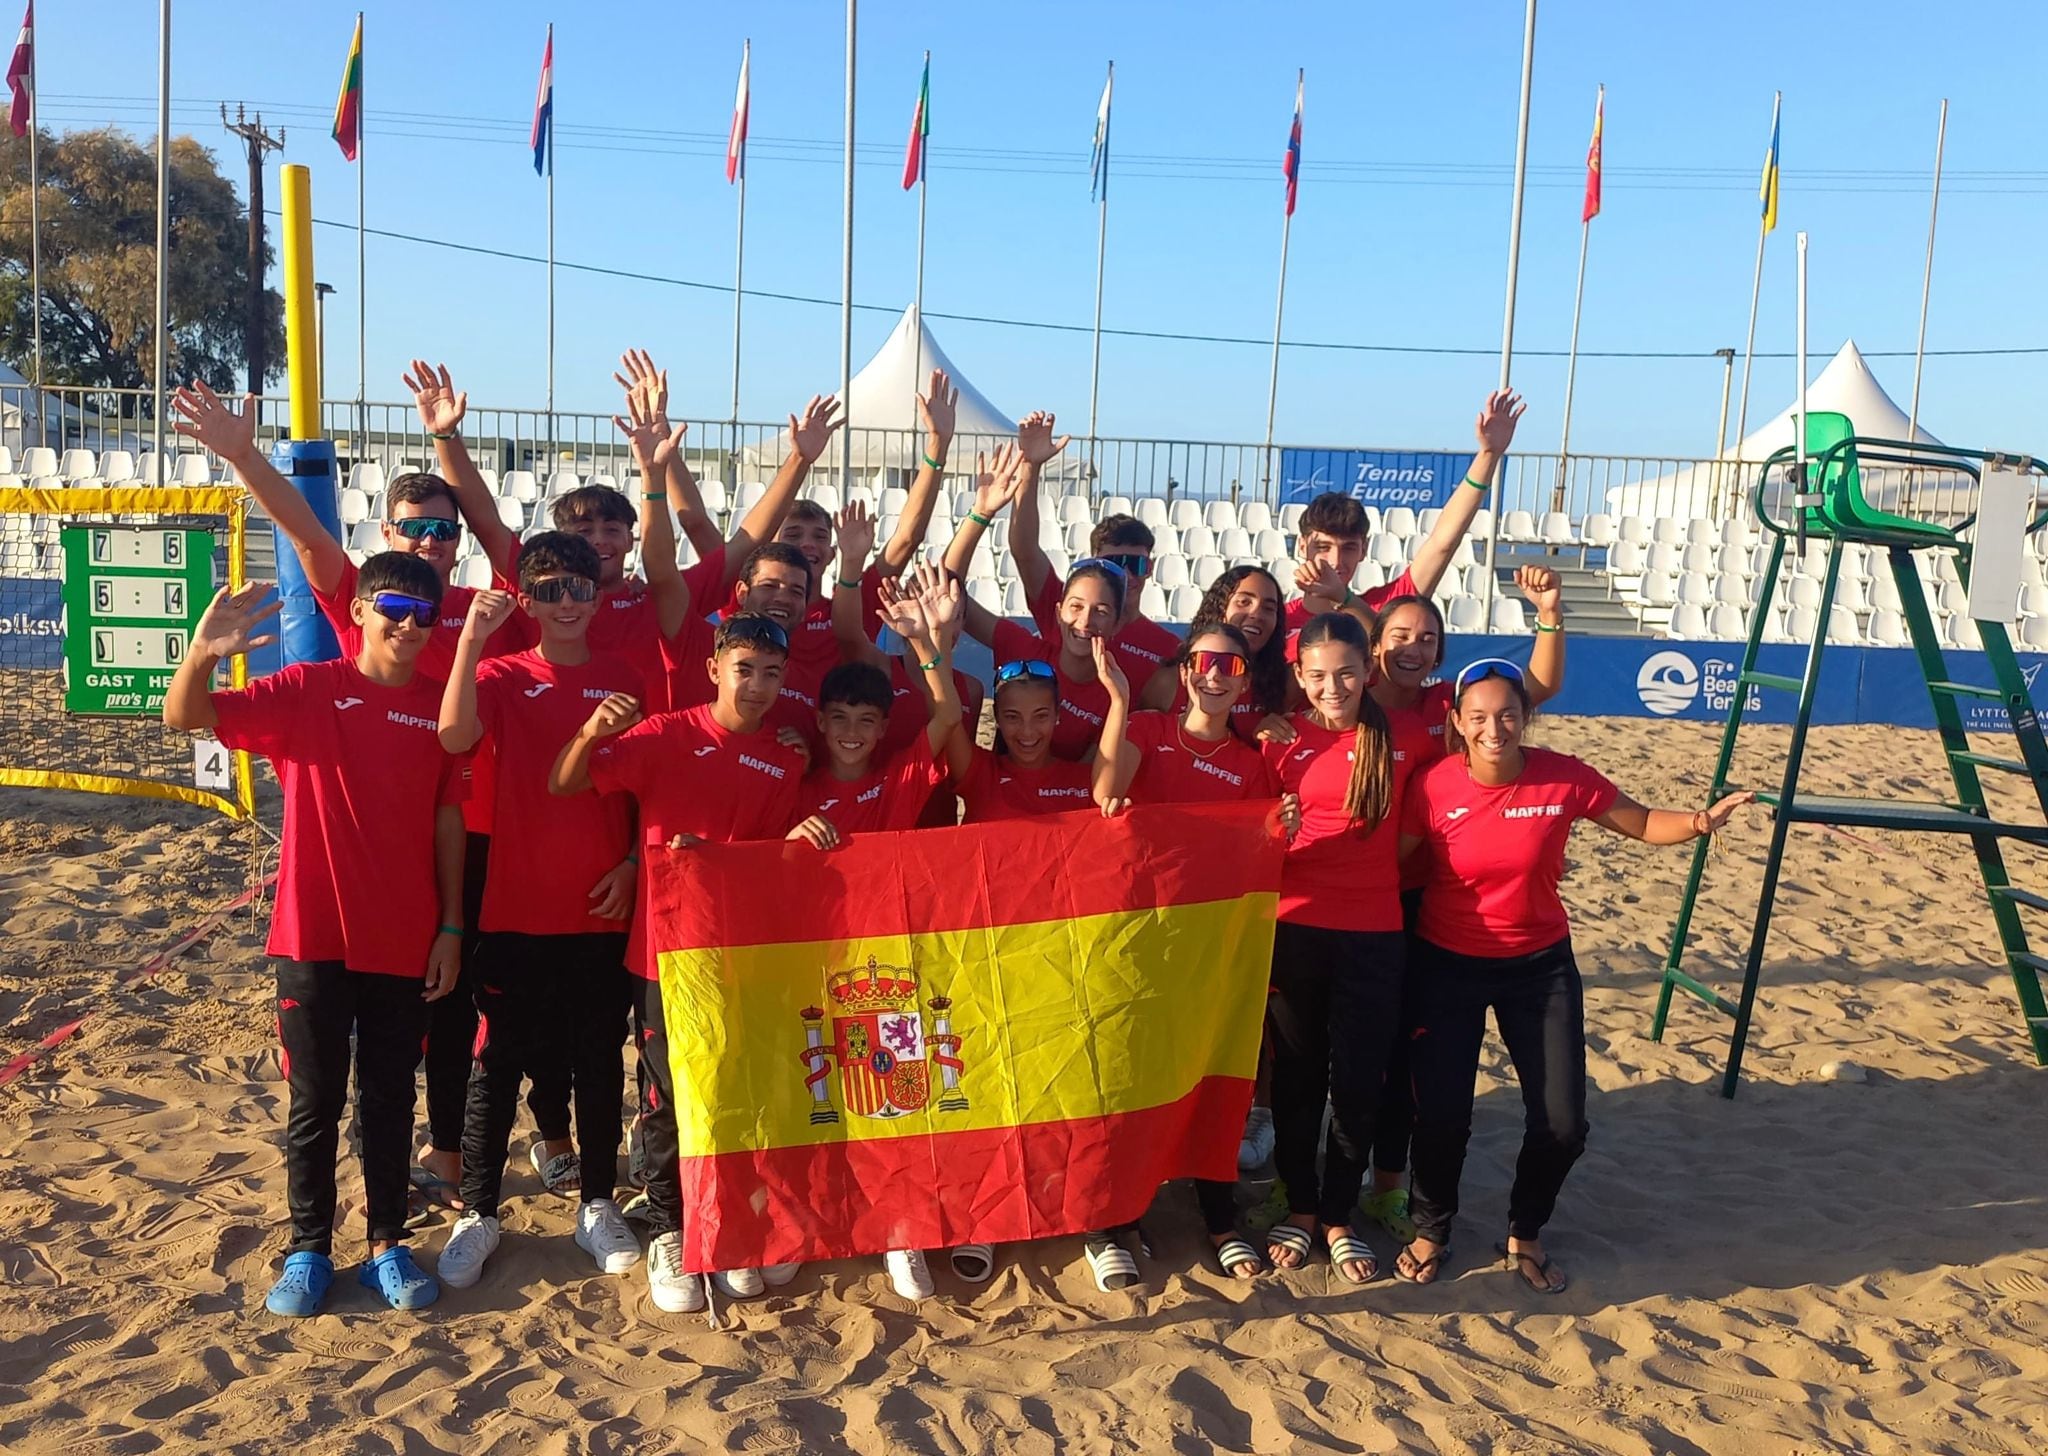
[
  {"x": 1222, "y": 664},
  {"x": 550, "y": 590},
  {"x": 426, "y": 528},
  {"x": 1480, "y": 671},
  {"x": 403, "y": 606}
]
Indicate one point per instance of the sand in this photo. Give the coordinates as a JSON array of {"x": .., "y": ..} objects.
[{"x": 1822, "y": 1265}]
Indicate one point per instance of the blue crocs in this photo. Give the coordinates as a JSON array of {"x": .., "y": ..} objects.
[
  {"x": 302, "y": 1288},
  {"x": 403, "y": 1283}
]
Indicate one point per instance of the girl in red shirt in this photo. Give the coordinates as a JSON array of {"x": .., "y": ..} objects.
[
  {"x": 1338, "y": 950},
  {"x": 1495, "y": 817},
  {"x": 1180, "y": 758},
  {"x": 1020, "y": 776},
  {"x": 1407, "y": 650},
  {"x": 1247, "y": 599}
]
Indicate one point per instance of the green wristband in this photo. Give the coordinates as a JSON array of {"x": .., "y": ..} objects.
[
  {"x": 438, "y": 435},
  {"x": 1477, "y": 484},
  {"x": 934, "y": 464},
  {"x": 930, "y": 666},
  {"x": 653, "y": 495},
  {"x": 853, "y": 585},
  {"x": 979, "y": 519},
  {"x": 451, "y": 930},
  {"x": 1547, "y": 627},
  {"x": 1349, "y": 597}
]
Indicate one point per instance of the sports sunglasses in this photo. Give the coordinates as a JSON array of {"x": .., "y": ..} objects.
[
  {"x": 1480, "y": 671},
  {"x": 1024, "y": 668},
  {"x": 755, "y": 631},
  {"x": 552, "y": 589},
  {"x": 1223, "y": 664},
  {"x": 400, "y": 607},
  {"x": 426, "y": 528}
]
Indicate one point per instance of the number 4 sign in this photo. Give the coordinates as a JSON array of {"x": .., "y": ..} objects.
[{"x": 210, "y": 765}]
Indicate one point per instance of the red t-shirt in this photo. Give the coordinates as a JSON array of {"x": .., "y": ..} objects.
[
  {"x": 1496, "y": 854},
  {"x": 1299, "y": 616},
  {"x": 1082, "y": 705},
  {"x": 1174, "y": 768},
  {"x": 890, "y": 797},
  {"x": 691, "y": 776},
  {"x": 547, "y": 852},
  {"x": 1140, "y": 648},
  {"x": 363, "y": 775},
  {"x": 910, "y": 711},
  {"x": 1335, "y": 877},
  {"x": 1419, "y": 732},
  {"x": 995, "y": 788},
  {"x": 438, "y": 656}
]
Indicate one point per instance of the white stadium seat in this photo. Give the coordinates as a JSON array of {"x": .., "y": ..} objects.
[
  {"x": 1234, "y": 542},
  {"x": 1014, "y": 604},
  {"x": 1153, "y": 601},
  {"x": 1695, "y": 589},
  {"x": 1508, "y": 615},
  {"x": 1555, "y": 529},
  {"x": 1697, "y": 556},
  {"x": 1166, "y": 538},
  {"x": 1072, "y": 508},
  {"x": 1075, "y": 538},
  {"x": 1625, "y": 558},
  {"x": 353, "y": 506},
  {"x": 1170, "y": 571},
  {"x": 2033, "y": 600},
  {"x": 150, "y": 469},
  {"x": 1961, "y": 633},
  {"x": 1182, "y": 603},
  {"x": 1669, "y": 530},
  {"x": 1599, "y": 530},
  {"x": 1731, "y": 560},
  {"x": 1220, "y": 515},
  {"x": 117, "y": 467},
  {"x": 1482, "y": 524},
  {"x": 512, "y": 513},
  {"x": 1632, "y": 528},
  {"x": 1725, "y": 623},
  {"x": 1184, "y": 513},
  {"x": 38, "y": 460},
  {"x": 1255, "y": 516},
  {"x": 1290, "y": 516},
  {"x": 1398, "y": 522},
  {"x": 1518, "y": 526},
  {"x": 824, "y": 493},
  {"x": 2034, "y": 634},
  {"x": 1888, "y": 629},
  {"x": 988, "y": 593},
  {"x": 78, "y": 465},
  {"x": 1389, "y": 551},
  {"x": 1687, "y": 622},
  {"x": 1269, "y": 543},
  {"x": 1117, "y": 505},
  {"x": 1206, "y": 569},
  {"x": 366, "y": 536},
  {"x": 1663, "y": 556},
  {"x": 1701, "y": 532},
  {"x": 1464, "y": 614},
  {"x": 1152, "y": 511},
  {"x": 1197, "y": 540},
  {"x": 520, "y": 485},
  {"x": 1369, "y": 576},
  {"x": 1842, "y": 626},
  {"x": 1732, "y": 591},
  {"x": 1658, "y": 589}
]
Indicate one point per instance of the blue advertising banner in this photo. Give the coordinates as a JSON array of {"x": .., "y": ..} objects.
[
  {"x": 1414, "y": 478},
  {"x": 31, "y": 622}
]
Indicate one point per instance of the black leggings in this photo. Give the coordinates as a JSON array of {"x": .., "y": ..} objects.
[
  {"x": 1335, "y": 1003},
  {"x": 1539, "y": 1007},
  {"x": 660, "y": 1158},
  {"x": 451, "y": 1032},
  {"x": 1396, "y": 1122},
  {"x": 551, "y": 1007},
  {"x": 319, "y": 1004}
]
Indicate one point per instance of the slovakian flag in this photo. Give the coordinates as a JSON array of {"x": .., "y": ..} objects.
[
  {"x": 736, "y": 140},
  {"x": 544, "y": 110},
  {"x": 348, "y": 107},
  {"x": 21, "y": 72},
  {"x": 1098, "y": 156},
  {"x": 999, "y": 1032},
  {"x": 920, "y": 128},
  {"x": 1290, "y": 166},
  {"x": 1591, "y": 209}
]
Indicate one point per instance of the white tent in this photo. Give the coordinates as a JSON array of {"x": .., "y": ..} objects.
[
  {"x": 1846, "y": 386},
  {"x": 881, "y": 408}
]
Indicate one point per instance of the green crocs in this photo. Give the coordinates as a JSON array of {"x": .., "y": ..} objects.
[{"x": 1389, "y": 1209}]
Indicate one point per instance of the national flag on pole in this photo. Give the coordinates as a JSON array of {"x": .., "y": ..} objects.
[
  {"x": 544, "y": 110},
  {"x": 736, "y": 140},
  {"x": 348, "y": 107},
  {"x": 940, "y": 1043},
  {"x": 1591, "y": 209},
  {"x": 21, "y": 72},
  {"x": 1291, "y": 164},
  {"x": 920, "y": 128},
  {"x": 1768, "y": 193},
  {"x": 1098, "y": 156}
]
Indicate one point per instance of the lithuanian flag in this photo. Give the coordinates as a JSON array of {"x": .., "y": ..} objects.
[
  {"x": 348, "y": 106},
  {"x": 976, "y": 1035}
]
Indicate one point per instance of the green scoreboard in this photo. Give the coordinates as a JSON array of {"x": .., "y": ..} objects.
[{"x": 132, "y": 597}]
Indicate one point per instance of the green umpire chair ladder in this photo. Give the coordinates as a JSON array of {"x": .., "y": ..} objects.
[{"x": 1835, "y": 512}]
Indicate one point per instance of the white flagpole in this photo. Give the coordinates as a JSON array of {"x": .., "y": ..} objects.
[
  {"x": 163, "y": 226},
  {"x": 1927, "y": 278},
  {"x": 362, "y": 267},
  {"x": 846, "y": 269},
  {"x": 1571, "y": 368},
  {"x": 739, "y": 246},
  {"x": 924, "y": 167},
  {"x": 35, "y": 212},
  {"x": 551, "y": 248},
  {"x": 1279, "y": 313},
  {"x": 1756, "y": 289},
  {"x": 1799, "y": 487},
  {"x": 1507, "y": 327},
  {"x": 1101, "y": 248}
]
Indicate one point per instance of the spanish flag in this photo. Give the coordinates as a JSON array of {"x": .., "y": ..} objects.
[{"x": 978, "y": 1035}]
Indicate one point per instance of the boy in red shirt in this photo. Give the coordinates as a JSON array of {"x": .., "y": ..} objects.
[
  {"x": 550, "y": 967},
  {"x": 367, "y": 927},
  {"x": 717, "y": 773}
]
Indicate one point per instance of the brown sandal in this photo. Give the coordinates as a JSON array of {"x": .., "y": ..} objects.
[{"x": 1420, "y": 1271}]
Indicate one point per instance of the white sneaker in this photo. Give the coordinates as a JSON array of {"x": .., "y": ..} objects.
[
  {"x": 739, "y": 1283},
  {"x": 672, "y": 1291},
  {"x": 473, "y": 1240},
  {"x": 602, "y": 1234},
  {"x": 777, "y": 1275},
  {"x": 907, "y": 1272},
  {"x": 1257, "y": 1145}
]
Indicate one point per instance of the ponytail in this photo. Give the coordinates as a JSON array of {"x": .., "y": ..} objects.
[{"x": 1370, "y": 797}]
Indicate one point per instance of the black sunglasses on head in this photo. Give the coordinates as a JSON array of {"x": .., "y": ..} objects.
[{"x": 756, "y": 632}]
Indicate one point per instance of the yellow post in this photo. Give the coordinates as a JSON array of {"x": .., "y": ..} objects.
[{"x": 302, "y": 342}]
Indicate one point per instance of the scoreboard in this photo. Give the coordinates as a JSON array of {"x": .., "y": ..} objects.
[{"x": 132, "y": 597}]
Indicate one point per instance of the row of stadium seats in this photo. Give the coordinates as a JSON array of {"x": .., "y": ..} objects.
[{"x": 42, "y": 468}]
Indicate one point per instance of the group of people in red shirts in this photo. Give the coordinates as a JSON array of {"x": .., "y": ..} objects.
[{"x": 472, "y": 785}]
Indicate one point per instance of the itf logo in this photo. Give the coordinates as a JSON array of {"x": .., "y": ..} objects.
[{"x": 1667, "y": 683}]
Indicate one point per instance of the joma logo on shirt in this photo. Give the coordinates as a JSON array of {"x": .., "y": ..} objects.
[
  {"x": 1533, "y": 811},
  {"x": 344, "y": 704},
  {"x": 536, "y": 690},
  {"x": 411, "y": 720},
  {"x": 760, "y": 765}
]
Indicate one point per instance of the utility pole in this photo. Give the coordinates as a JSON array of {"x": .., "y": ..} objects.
[{"x": 259, "y": 141}]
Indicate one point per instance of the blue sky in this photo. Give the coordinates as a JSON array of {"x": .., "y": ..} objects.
[{"x": 1399, "y": 238}]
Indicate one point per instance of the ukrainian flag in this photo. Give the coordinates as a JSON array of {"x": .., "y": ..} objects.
[{"x": 1768, "y": 193}]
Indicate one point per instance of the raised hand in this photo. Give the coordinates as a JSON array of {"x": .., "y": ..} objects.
[
  {"x": 653, "y": 441},
  {"x": 939, "y": 407},
  {"x": 1035, "y": 438},
  {"x": 1495, "y": 426},
  {"x": 614, "y": 715},
  {"x": 996, "y": 482},
  {"x": 856, "y": 536},
  {"x": 488, "y": 611},
  {"x": 809, "y": 435},
  {"x": 207, "y": 418},
  {"x": 642, "y": 381},
  {"x": 224, "y": 627},
  {"x": 944, "y": 603},
  {"x": 1106, "y": 669},
  {"x": 904, "y": 615},
  {"x": 441, "y": 408},
  {"x": 1544, "y": 589}
]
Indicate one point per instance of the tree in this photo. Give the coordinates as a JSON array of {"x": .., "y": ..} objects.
[{"x": 99, "y": 263}]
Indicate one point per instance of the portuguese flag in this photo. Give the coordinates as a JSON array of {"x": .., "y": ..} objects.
[
  {"x": 977, "y": 1035},
  {"x": 348, "y": 107},
  {"x": 920, "y": 128}
]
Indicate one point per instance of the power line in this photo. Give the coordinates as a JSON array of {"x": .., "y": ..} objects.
[{"x": 1168, "y": 336}]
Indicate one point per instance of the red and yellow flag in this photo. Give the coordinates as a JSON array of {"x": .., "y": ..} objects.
[
  {"x": 977, "y": 1035},
  {"x": 348, "y": 107}
]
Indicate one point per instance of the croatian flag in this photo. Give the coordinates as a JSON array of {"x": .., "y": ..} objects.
[
  {"x": 1291, "y": 165},
  {"x": 544, "y": 111},
  {"x": 736, "y": 141}
]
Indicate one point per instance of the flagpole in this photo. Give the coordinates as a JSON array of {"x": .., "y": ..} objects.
[
  {"x": 163, "y": 226},
  {"x": 35, "y": 222},
  {"x": 1571, "y": 368},
  {"x": 1926, "y": 278},
  {"x": 362, "y": 430},
  {"x": 1756, "y": 288},
  {"x": 1279, "y": 313},
  {"x": 551, "y": 249},
  {"x": 846, "y": 270},
  {"x": 1507, "y": 327},
  {"x": 1101, "y": 250},
  {"x": 739, "y": 248},
  {"x": 924, "y": 168}
]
